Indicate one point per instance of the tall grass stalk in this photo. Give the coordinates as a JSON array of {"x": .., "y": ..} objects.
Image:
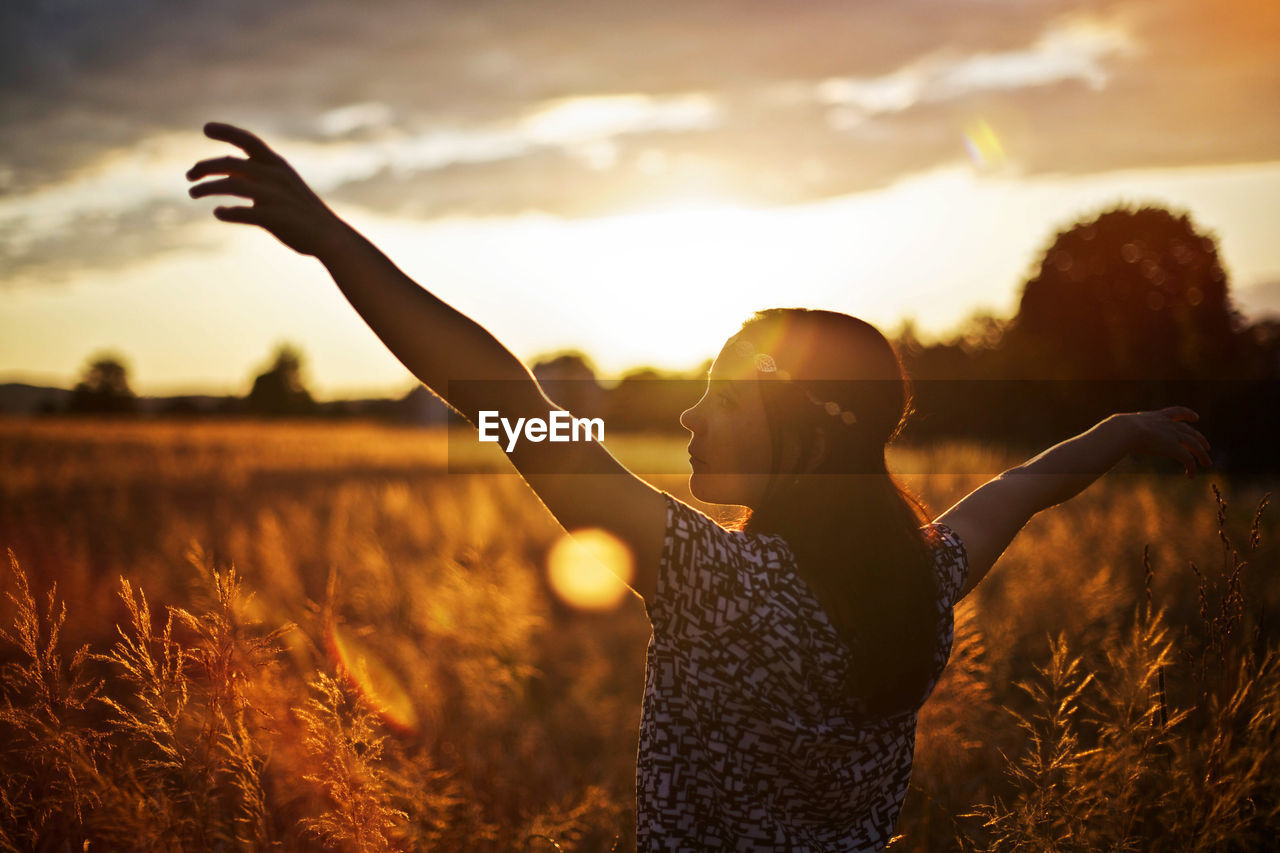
[
  {"x": 51, "y": 754},
  {"x": 1116, "y": 758},
  {"x": 514, "y": 718}
]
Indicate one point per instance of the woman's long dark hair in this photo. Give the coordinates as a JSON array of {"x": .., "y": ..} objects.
[{"x": 853, "y": 528}]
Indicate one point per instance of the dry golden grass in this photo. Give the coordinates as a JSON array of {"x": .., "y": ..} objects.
[{"x": 327, "y": 641}]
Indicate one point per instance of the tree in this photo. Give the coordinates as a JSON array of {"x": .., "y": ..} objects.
[
  {"x": 280, "y": 389},
  {"x": 569, "y": 380},
  {"x": 646, "y": 399},
  {"x": 1129, "y": 294},
  {"x": 104, "y": 388}
]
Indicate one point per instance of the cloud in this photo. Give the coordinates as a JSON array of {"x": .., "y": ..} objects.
[
  {"x": 488, "y": 107},
  {"x": 102, "y": 243},
  {"x": 573, "y": 121},
  {"x": 1258, "y": 301},
  {"x": 78, "y": 80},
  {"x": 355, "y": 118},
  {"x": 108, "y": 210},
  {"x": 1075, "y": 50}
]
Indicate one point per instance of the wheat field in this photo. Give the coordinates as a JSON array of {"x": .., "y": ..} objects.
[{"x": 295, "y": 636}]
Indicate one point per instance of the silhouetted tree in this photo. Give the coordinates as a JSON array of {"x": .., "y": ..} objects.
[
  {"x": 104, "y": 388},
  {"x": 422, "y": 407},
  {"x": 1130, "y": 294},
  {"x": 569, "y": 379},
  {"x": 280, "y": 390},
  {"x": 1259, "y": 349},
  {"x": 183, "y": 407},
  {"x": 650, "y": 400}
]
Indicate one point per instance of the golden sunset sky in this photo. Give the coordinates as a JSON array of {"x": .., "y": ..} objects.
[{"x": 628, "y": 179}]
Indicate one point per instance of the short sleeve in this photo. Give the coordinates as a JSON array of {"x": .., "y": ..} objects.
[
  {"x": 952, "y": 561},
  {"x": 707, "y": 575}
]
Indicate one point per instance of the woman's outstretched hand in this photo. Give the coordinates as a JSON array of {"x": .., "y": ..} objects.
[
  {"x": 1165, "y": 432},
  {"x": 283, "y": 204}
]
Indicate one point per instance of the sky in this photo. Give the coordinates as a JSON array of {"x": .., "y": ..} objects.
[{"x": 630, "y": 180}]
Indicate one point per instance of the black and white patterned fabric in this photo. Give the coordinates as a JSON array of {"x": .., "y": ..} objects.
[{"x": 747, "y": 741}]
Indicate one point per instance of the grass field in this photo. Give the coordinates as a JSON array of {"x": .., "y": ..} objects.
[{"x": 389, "y": 667}]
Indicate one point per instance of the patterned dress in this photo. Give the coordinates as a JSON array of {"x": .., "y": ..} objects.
[{"x": 746, "y": 739}]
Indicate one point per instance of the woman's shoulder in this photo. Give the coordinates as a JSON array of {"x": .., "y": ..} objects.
[
  {"x": 711, "y": 577},
  {"x": 692, "y": 532},
  {"x": 950, "y": 559}
]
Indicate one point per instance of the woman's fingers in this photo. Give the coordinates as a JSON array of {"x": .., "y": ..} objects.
[
  {"x": 226, "y": 186},
  {"x": 1166, "y": 432},
  {"x": 241, "y": 187},
  {"x": 1199, "y": 446},
  {"x": 264, "y": 219},
  {"x": 1194, "y": 433},
  {"x": 283, "y": 204},
  {"x": 256, "y": 178},
  {"x": 232, "y": 166},
  {"x": 246, "y": 215},
  {"x": 1192, "y": 447},
  {"x": 1180, "y": 413},
  {"x": 1201, "y": 456},
  {"x": 242, "y": 139}
]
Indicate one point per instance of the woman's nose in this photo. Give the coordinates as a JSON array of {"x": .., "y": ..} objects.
[{"x": 687, "y": 417}]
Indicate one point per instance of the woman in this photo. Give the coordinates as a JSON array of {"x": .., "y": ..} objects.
[{"x": 789, "y": 656}]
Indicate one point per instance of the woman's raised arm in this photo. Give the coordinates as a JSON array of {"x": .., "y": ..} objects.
[
  {"x": 434, "y": 341},
  {"x": 987, "y": 519},
  {"x": 450, "y": 353}
]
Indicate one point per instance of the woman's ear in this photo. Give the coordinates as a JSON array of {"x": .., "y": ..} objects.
[
  {"x": 818, "y": 451},
  {"x": 804, "y": 459},
  {"x": 791, "y": 453}
]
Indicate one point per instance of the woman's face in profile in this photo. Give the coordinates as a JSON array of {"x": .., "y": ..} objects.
[{"x": 730, "y": 451}]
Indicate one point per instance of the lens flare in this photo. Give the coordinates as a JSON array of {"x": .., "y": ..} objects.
[
  {"x": 375, "y": 681},
  {"x": 589, "y": 569},
  {"x": 983, "y": 145}
]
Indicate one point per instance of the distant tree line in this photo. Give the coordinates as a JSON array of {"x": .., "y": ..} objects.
[
  {"x": 279, "y": 390},
  {"x": 1127, "y": 310},
  {"x": 104, "y": 388}
]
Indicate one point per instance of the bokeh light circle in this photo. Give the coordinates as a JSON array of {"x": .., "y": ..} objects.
[{"x": 589, "y": 569}]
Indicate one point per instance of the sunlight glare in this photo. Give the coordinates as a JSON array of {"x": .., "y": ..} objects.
[
  {"x": 983, "y": 145},
  {"x": 663, "y": 286},
  {"x": 573, "y": 120},
  {"x": 375, "y": 681}
]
